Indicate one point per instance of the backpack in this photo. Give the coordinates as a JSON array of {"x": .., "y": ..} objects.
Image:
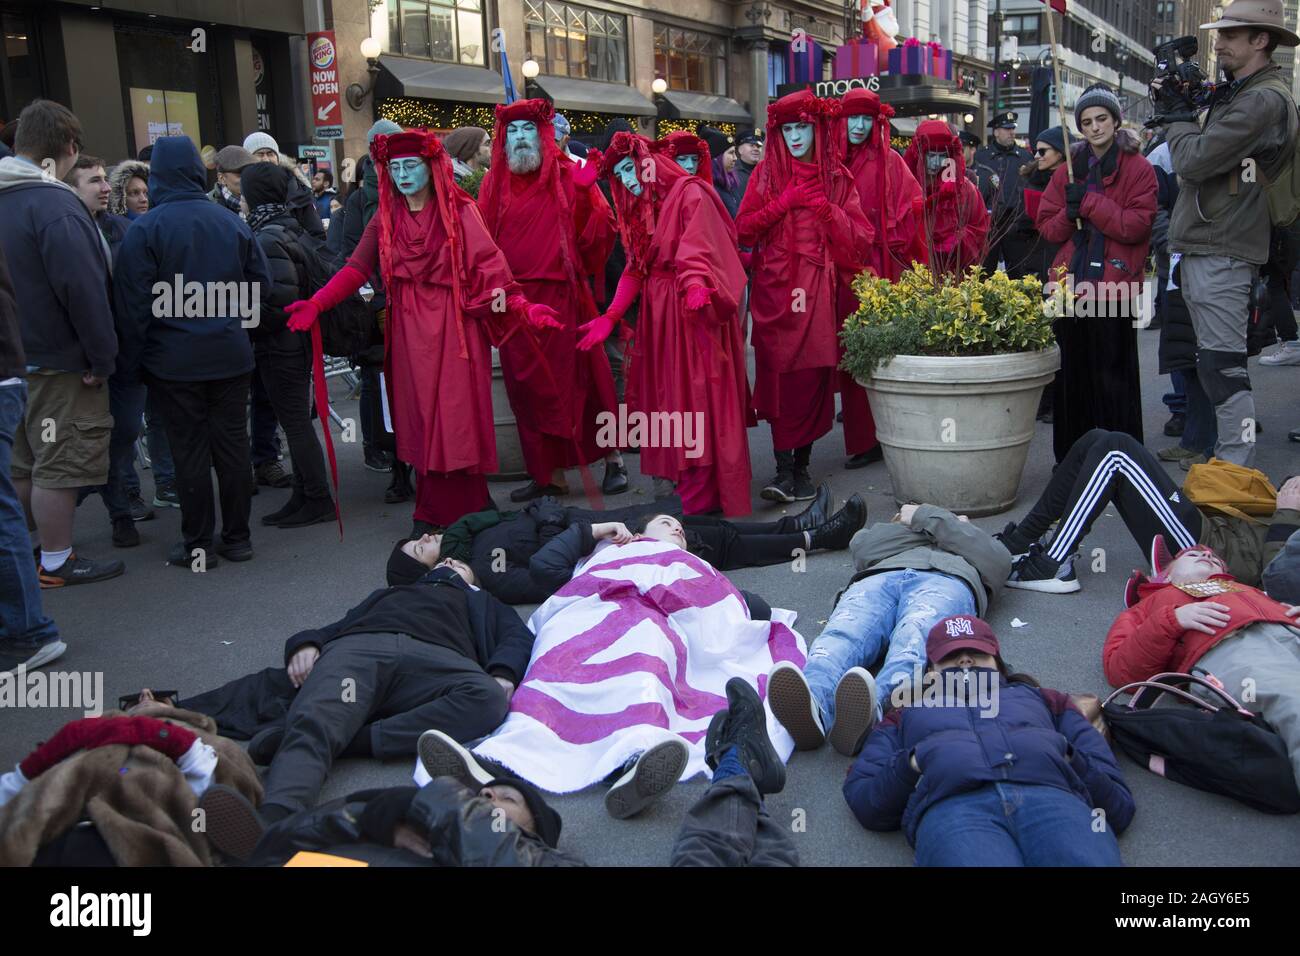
[
  {"x": 347, "y": 328},
  {"x": 1218, "y": 747},
  {"x": 1230, "y": 489},
  {"x": 1283, "y": 188}
]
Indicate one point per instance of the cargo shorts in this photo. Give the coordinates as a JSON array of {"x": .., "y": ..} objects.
[{"x": 62, "y": 441}]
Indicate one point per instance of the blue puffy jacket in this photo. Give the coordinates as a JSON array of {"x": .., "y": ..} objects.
[
  {"x": 1037, "y": 737},
  {"x": 186, "y": 235}
]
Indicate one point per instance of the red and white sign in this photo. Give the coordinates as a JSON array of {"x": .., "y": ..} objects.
[{"x": 323, "y": 64}]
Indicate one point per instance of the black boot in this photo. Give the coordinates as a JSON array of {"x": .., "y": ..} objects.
[
  {"x": 313, "y": 511},
  {"x": 399, "y": 488},
  {"x": 781, "y": 488},
  {"x": 814, "y": 516},
  {"x": 836, "y": 533},
  {"x": 125, "y": 534},
  {"x": 615, "y": 482},
  {"x": 296, "y": 501},
  {"x": 866, "y": 458},
  {"x": 804, "y": 489}
]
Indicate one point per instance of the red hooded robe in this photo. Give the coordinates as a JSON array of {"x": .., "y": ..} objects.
[
  {"x": 892, "y": 199},
  {"x": 677, "y": 235},
  {"x": 798, "y": 264},
  {"x": 556, "y": 234},
  {"x": 683, "y": 142},
  {"x": 956, "y": 222}
]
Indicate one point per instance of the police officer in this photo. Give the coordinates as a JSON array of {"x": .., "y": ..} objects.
[
  {"x": 984, "y": 178},
  {"x": 1005, "y": 158}
]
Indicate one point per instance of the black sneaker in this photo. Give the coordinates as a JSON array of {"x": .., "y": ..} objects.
[
  {"x": 182, "y": 557},
  {"x": 804, "y": 489},
  {"x": 440, "y": 756},
  {"x": 1037, "y": 572},
  {"x": 78, "y": 570},
  {"x": 265, "y": 744},
  {"x": 379, "y": 461},
  {"x": 744, "y": 726},
  {"x": 399, "y": 489},
  {"x": 125, "y": 534},
  {"x": 139, "y": 510},
  {"x": 230, "y": 822},
  {"x": 272, "y": 474},
  {"x": 165, "y": 496},
  {"x": 654, "y": 773},
  {"x": 615, "y": 481},
  {"x": 1176, "y": 424},
  {"x": 533, "y": 490},
  {"x": 296, "y": 501},
  {"x": 235, "y": 551},
  {"x": 16, "y": 654},
  {"x": 793, "y": 706},
  {"x": 313, "y": 511},
  {"x": 839, "y": 530}
]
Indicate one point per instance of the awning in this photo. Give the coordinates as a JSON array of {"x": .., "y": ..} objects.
[
  {"x": 904, "y": 125},
  {"x": 680, "y": 104},
  {"x": 921, "y": 100},
  {"x": 427, "y": 80},
  {"x": 593, "y": 96}
]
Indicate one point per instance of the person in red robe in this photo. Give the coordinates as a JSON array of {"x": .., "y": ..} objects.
[
  {"x": 686, "y": 381},
  {"x": 547, "y": 215},
  {"x": 892, "y": 199},
  {"x": 802, "y": 216},
  {"x": 449, "y": 291},
  {"x": 956, "y": 222},
  {"x": 688, "y": 151}
]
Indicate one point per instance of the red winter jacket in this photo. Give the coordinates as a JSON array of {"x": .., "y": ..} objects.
[
  {"x": 1147, "y": 639},
  {"x": 1124, "y": 211}
]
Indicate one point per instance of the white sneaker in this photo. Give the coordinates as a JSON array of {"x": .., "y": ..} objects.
[
  {"x": 1287, "y": 354},
  {"x": 443, "y": 757},
  {"x": 792, "y": 704},
  {"x": 855, "y": 711}
]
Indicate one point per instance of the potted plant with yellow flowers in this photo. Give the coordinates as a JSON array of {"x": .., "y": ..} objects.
[{"x": 953, "y": 367}]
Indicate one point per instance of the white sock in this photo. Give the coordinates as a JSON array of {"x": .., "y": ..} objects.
[{"x": 53, "y": 560}]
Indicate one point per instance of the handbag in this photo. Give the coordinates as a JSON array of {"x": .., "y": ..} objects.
[{"x": 1218, "y": 746}]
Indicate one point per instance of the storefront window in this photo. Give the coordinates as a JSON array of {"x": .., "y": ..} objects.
[
  {"x": 776, "y": 67},
  {"x": 690, "y": 60},
  {"x": 19, "y": 76},
  {"x": 167, "y": 90},
  {"x": 447, "y": 30},
  {"x": 568, "y": 40}
]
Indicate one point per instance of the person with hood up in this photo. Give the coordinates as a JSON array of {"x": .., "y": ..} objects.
[
  {"x": 129, "y": 185},
  {"x": 891, "y": 198},
  {"x": 470, "y": 149},
  {"x": 1113, "y": 194},
  {"x": 688, "y": 357},
  {"x": 688, "y": 151},
  {"x": 615, "y": 345},
  {"x": 556, "y": 230},
  {"x": 995, "y": 771},
  {"x": 283, "y": 357},
  {"x": 60, "y": 266},
  {"x": 956, "y": 223},
  {"x": 803, "y": 217},
  {"x": 445, "y": 280},
  {"x": 201, "y": 365}
]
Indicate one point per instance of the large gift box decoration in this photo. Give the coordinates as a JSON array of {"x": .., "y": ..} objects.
[{"x": 858, "y": 57}]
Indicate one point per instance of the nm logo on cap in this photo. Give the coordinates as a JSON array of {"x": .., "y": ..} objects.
[{"x": 960, "y": 625}]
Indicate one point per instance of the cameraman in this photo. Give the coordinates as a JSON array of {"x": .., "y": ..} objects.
[{"x": 1220, "y": 222}]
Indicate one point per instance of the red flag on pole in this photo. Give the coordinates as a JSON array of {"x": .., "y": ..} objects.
[{"x": 1057, "y": 5}]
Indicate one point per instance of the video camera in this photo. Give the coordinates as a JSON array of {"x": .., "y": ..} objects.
[{"x": 1185, "y": 87}]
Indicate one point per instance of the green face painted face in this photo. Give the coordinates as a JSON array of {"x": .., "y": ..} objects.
[
  {"x": 689, "y": 163},
  {"x": 860, "y": 128},
  {"x": 410, "y": 174},
  {"x": 625, "y": 170}
]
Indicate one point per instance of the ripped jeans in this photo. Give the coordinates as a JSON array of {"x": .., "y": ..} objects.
[{"x": 891, "y": 611}]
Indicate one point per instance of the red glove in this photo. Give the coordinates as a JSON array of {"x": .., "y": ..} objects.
[
  {"x": 698, "y": 297},
  {"x": 824, "y": 211},
  {"x": 92, "y": 732},
  {"x": 597, "y": 331},
  {"x": 534, "y": 313},
  {"x": 948, "y": 188},
  {"x": 808, "y": 193},
  {"x": 585, "y": 175},
  {"x": 629, "y": 287},
  {"x": 304, "y": 313},
  {"x": 746, "y": 258}
]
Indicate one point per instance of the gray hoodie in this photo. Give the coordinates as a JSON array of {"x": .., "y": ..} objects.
[
  {"x": 59, "y": 262},
  {"x": 935, "y": 541}
]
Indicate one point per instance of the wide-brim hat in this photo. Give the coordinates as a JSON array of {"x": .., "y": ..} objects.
[{"x": 1258, "y": 15}]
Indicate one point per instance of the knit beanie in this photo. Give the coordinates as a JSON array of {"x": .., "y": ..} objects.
[
  {"x": 546, "y": 819},
  {"x": 255, "y": 141},
  {"x": 382, "y": 127},
  {"x": 463, "y": 142},
  {"x": 264, "y": 184},
  {"x": 1054, "y": 138},
  {"x": 1099, "y": 94},
  {"x": 402, "y": 568}
]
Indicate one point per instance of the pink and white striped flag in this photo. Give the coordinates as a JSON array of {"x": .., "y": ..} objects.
[{"x": 638, "y": 646}]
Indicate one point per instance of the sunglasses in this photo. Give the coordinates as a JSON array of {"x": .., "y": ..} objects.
[{"x": 1042, "y": 151}]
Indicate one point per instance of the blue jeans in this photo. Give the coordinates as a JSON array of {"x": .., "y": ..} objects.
[
  {"x": 126, "y": 403},
  {"x": 1176, "y": 400},
  {"x": 155, "y": 436},
  {"x": 1007, "y": 824},
  {"x": 893, "y": 612},
  {"x": 21, "y": 615},
  {"x": 1201, "y": 430}
]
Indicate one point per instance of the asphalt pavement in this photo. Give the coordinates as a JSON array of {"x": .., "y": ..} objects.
[{"x": 164, "y": 627}]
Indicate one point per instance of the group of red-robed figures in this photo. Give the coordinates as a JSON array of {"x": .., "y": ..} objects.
[{"x": 522, "y": 269}]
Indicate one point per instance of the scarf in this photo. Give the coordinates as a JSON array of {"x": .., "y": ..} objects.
[
  {"x": 1088, "y": 263},
  {"x": 264, "y": 212}
]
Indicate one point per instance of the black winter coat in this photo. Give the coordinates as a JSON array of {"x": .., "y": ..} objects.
[
  {"x": 287, "y": 261},
  {"x": 13, "y": 363},
  {"x": 460, "y": 827}
]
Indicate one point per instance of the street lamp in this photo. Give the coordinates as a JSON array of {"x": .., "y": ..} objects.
[
  {"x": 530, "y": 68},
  {"x": 659, "y": 86},
  {"x": 356, "y": 93},
  {"x": 968, "y": 118}
]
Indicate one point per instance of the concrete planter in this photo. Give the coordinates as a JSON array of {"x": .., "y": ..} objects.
[{"x": 955, "y": 430}]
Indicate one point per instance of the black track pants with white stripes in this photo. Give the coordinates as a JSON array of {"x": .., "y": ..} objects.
[{"x": 1102, "y": 467}]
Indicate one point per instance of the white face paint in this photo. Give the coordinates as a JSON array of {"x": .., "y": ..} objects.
[
  {"x": 860, "y": 129},
  {"x": 798, "y": 138},
  {"x": 935, "y": 162},
  {"x": 625, "y": 170}
]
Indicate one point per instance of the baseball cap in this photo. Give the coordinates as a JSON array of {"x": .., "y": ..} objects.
[{"x": 960, "y": 632}]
